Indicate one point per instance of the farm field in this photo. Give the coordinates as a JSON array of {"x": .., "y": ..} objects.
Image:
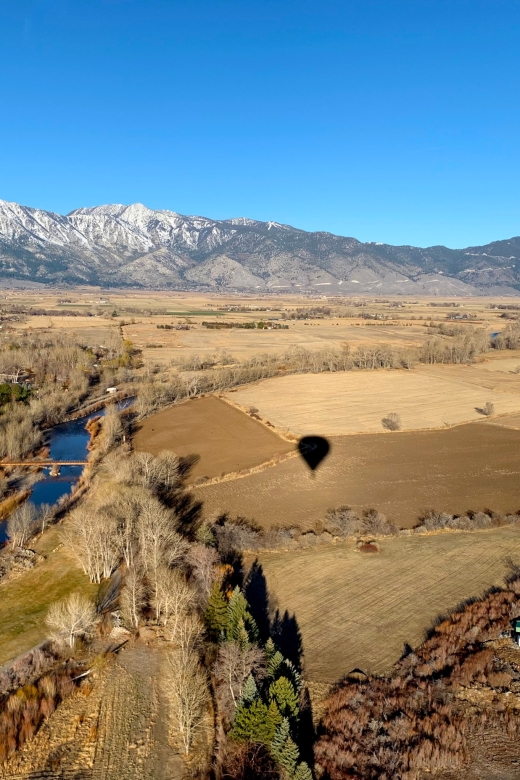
[
  {"x": 92, "y": 331},
  {"x": 243, "y": 344},
  {"x": 333, "y": 404},
  {"x": 472, "y": 466},
  {"x": 403, "y": 322},
  {"x": 224, "y": 438},
  {"x": 359, "y": 610}
]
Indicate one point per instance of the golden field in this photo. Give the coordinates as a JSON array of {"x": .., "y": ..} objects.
[
  {"x": 141, "y": 312},
  {"x": 355, "y": 402},
  {"x": 358, "y": 609}
]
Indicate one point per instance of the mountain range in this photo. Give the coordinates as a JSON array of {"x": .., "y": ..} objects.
[{"x": 134, "y": 246}]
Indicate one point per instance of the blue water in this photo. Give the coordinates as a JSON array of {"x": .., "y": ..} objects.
[{"x": 67, "y": 441}]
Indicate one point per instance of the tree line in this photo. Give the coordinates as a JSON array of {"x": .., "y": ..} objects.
[{"x": 138, "y": 521}]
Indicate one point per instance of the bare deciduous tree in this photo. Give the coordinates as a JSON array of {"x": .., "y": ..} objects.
[
  {"x": 21, "y": 524},
  {"x": 133, "y": 597},
  {"x": 159, "y": 543},
  {"x": 94, "y": 539},
  {"x": 112, "y": 429},
  {"x": 73, "y": 617},
  {"x": 188, "y": 693},
  {"x": 172, "y": 598},
  {"x": 232, "y": 668},
  {"x": 202, "y": 561},
  {"x": 187, "y": 633}
]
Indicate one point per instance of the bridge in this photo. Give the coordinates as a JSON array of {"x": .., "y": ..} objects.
[{"x": 54, "y": 465}]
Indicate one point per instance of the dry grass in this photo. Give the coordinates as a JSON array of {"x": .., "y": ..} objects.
[
  {"x": 401, "y": 474},
  {"x": 242, "y": 344},
  {"x": 24, "y": 601},
  {"x": 145, "y": 310},
  {"x": 358, "y": 610},
  {"x": 115, "y": 728},
  {"x": 225, "y": 439},
  {"x": 354, "y": 402}
]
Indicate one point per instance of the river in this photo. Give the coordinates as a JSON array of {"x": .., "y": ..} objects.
[{"x": 68, "y": 441}]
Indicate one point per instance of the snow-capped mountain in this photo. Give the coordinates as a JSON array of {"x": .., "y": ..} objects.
[{"x": 123, "y": 246}]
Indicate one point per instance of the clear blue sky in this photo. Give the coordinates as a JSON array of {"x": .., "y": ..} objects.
[{"x": 384, "y": 120}]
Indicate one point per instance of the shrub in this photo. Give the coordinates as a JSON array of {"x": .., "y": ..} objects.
[
  {"x": 343, "y": 521},
  {"x": 392, "y": 422}
]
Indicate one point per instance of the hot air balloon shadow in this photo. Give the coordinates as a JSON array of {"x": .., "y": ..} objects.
[{"x": 313, "y": 449}]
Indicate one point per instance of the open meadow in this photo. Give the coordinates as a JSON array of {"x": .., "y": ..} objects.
[
  {"x": 358, "y": 610},
  {"x": 355, "y": 320},
  {"x": 24, "y": 601}
]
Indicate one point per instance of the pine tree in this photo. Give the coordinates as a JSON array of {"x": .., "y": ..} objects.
[
  {"x": 216, "y": 613},
  {"x": 249, "y": 691},
  {"x": 269, "y": 649},
  {"x": 302, "y": 772},
  {"x": 274, "y": 663},
  {"x": 288, "y": 758},
  {"x": 282, "y": 734},
  {"x": 252, "y": 723},
  {"x": 240, "y": 626},
  {"x": 283, "y": 693},
  {"x": 274, "y": 719}
]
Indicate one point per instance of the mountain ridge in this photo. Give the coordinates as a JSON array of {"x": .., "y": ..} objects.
[{"x": 118, "y": 245}]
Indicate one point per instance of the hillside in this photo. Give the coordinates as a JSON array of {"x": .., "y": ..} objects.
[{"x": 133, "y": 246}]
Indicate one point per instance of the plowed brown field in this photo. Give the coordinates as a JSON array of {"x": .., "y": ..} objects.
[
  {"x": 224, "y": 438},
  {"x": 473, "y": 466}
]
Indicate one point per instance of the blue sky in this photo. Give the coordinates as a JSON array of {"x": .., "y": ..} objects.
[{"x": 384, "y": 120}]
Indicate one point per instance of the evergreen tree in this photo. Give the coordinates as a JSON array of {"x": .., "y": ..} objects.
[
  {"x": 295, "y": 676},
  {"x": 216, "y": 613},
  {"x": 252, "y": 723},
  {"x": 240, "y": 626},
  {"x": 274, "y": 663},
  {"x": 282, "y": 734},
  {"x": 302, "y": 772},
  {"x": 283, "y": 693},
  {"x": 269, "y": 649},
  {"x": 250, "y": 691},
  {"x": 274, "y": 718}
]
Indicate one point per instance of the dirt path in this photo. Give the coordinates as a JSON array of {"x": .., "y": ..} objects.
[{"x": 117, "y": 732}]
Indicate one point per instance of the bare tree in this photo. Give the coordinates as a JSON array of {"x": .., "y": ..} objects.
[
  {"x": 133, "y": 597},
  {"x": 172, "y": 598},
  {"x": 45, "y": 515},
  {"x": 488, "y": 409},
  {"x": 203, "y": 562},
  {"x": 73, "y": 617},
  {"x": 392, "y": 422},
  {"x": 232, "y": 668},
  {"x": 160, "y": 545},
  {"x": 188, "y": 693},
  {"x": 94, "y": 538},
  {"x": 21, "y": 524},
  {"x": 112, "y": 429},
  {"x": 187, "y": 633}
]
